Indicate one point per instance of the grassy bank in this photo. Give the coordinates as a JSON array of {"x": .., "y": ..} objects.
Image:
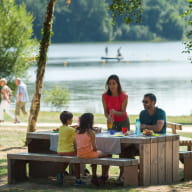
[{"x": 53, "y": 117}]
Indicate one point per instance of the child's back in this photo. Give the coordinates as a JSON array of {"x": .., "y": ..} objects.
[
  {"x": 84, "y": 145},
  {"x": 66, "y": 139}
]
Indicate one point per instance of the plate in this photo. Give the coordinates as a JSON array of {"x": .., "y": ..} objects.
[
  {"x": 55, "y": 131},
  {"x": 118, "y": 135}
]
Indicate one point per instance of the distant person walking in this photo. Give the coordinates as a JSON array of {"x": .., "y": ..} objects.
[
  {"x": 106, "y": 51},
  {"x": 118, "y": 52},
  {"x": 5, "y": 100},
  {"x": 21, "y": 99}
]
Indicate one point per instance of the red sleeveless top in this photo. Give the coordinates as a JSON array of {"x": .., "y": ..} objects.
[{"x": 115, "y": 102}]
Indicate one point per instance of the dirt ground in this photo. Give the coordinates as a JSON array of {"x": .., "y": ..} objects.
[{"x": 42, "y": 186}]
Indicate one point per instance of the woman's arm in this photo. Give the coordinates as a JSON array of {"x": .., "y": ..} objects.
[
  {"x": 105, "y": 108},
  {"x": 5, "y": 95}
]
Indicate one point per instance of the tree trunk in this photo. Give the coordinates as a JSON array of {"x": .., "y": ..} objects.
[{"x": 41, "y": 64}]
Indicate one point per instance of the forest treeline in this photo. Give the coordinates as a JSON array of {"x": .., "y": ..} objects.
[{"x": 90, "y": 20}]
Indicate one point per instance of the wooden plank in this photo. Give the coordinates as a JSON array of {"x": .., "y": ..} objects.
[
  {"x": 10, "y": 175},
  {"x": 39, "y": 135},
  {"x": 72, "y": 159},
  {"x": 154, "y": 159},
  {"x": 174, "y": 126},
  {"x": 175, "y": 161},
  {"x": 39, "y": 146},
  {"x": 135, "y": 140},
  {"x": 131, "y": 175},
  {"x": 187, "y": 169},
  {"x": 145, "y": 167},
  {"x": 168, "y": 161},
  {"x": 161, "y": 161},
  {"x": 16, "y": 171}
]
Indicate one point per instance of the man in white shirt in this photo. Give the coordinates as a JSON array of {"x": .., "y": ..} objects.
[{"x": 21, "y": 99}]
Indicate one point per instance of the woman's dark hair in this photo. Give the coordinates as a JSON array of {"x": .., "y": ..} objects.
[
  {"x": 115, "y": 78},
  {"x": 65, "y": 116},
  {"x": 86, "y": 122}
]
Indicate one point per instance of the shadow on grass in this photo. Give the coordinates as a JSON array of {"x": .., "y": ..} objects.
[{"x": 12, "y": 148}]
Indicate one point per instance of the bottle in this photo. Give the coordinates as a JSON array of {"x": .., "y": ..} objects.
[{"x": 137, "y": 127}]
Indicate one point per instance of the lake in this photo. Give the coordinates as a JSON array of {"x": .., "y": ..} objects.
[{"x": 159, "y": 68}]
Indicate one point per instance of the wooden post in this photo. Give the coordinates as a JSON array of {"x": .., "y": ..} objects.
[{"x": 131, "y": 175}]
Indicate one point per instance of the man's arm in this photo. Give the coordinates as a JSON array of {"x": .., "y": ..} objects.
[{"x": 156, "y": 128}]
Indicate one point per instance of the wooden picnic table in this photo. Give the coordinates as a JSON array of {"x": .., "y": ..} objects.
[{"x": 159, "y": 157}]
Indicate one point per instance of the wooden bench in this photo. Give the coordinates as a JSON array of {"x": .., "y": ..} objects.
[
  {"x": 174, "y": 127},
  {"x": 17, "y": 165},
  {"x": 183, "y": 141},
  {"x": 186, "y": 158}
]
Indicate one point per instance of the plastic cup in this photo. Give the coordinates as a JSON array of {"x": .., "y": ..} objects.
[
  {"x": 124, "y": 130},
  {"x": 109, "y": 125},
  {"x": 112, "y": 132}
]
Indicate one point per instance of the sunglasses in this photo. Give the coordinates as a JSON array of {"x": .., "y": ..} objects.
[{"x": 145, "y": 102}]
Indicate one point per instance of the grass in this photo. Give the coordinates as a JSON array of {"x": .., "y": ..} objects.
[{"x": 53, "y": 117}]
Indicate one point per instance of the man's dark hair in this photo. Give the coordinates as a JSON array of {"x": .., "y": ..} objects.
[
  {"x": 151, "y": 96},
  {"x": 65, "y": 116}
]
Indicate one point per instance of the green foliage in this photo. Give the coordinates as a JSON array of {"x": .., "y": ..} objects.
[
  {"x": 16, "y": 43},
  {"x": 188, "y": 16},
  {"x": 91, "y": 20},
  {"x": 130, "y": 10},
  {"x": 57, "y": 97}
]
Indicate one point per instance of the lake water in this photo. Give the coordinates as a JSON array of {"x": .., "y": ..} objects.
[{"x": 159, "y": 68}]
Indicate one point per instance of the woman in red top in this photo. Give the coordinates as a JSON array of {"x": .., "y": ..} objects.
[{"x": 115, "y": 102}]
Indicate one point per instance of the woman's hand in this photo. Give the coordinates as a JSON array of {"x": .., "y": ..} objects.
[
  {"x": 112, "y": 112},
  {"x": 110, "y": 118}
]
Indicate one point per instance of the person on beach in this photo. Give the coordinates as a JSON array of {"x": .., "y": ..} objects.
[
  {"x": 86, "y": 147},
  {"x": 115, "y": 102},
  {"x": 152, "y": 117},
  {"x": 6, "y": 93},
  {"x": 118, "y": 52},
  {"x": 66, "y": 146},
  {"x": 21, "y": 99},
  {"x": 106, "y": 51}
]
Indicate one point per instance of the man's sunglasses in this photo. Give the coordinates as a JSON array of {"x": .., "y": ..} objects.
[{"x": 145, "y": 102}]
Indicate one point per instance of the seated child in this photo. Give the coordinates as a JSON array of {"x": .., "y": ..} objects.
[
  {"x": 66, "y": 146},
  {"x": 86, "y": 146}
]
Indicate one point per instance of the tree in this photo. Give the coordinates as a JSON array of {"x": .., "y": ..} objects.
[
  {"x": 41, "y": 64},
  {"x": 16, "y": 43}
]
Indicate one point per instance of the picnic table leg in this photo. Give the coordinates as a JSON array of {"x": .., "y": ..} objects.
[
  {"x": 187, "y": 169},
  {"x": 131, "y": 175},
  {"x": 189, "y": 148},
  {"x": 16, "y": 171},
  {"x": 145, "y": 164}
]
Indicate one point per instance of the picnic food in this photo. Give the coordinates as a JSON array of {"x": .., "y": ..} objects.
[
  {"x": 56, "y": 129},
  {"x": 147, "y": 132}
]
